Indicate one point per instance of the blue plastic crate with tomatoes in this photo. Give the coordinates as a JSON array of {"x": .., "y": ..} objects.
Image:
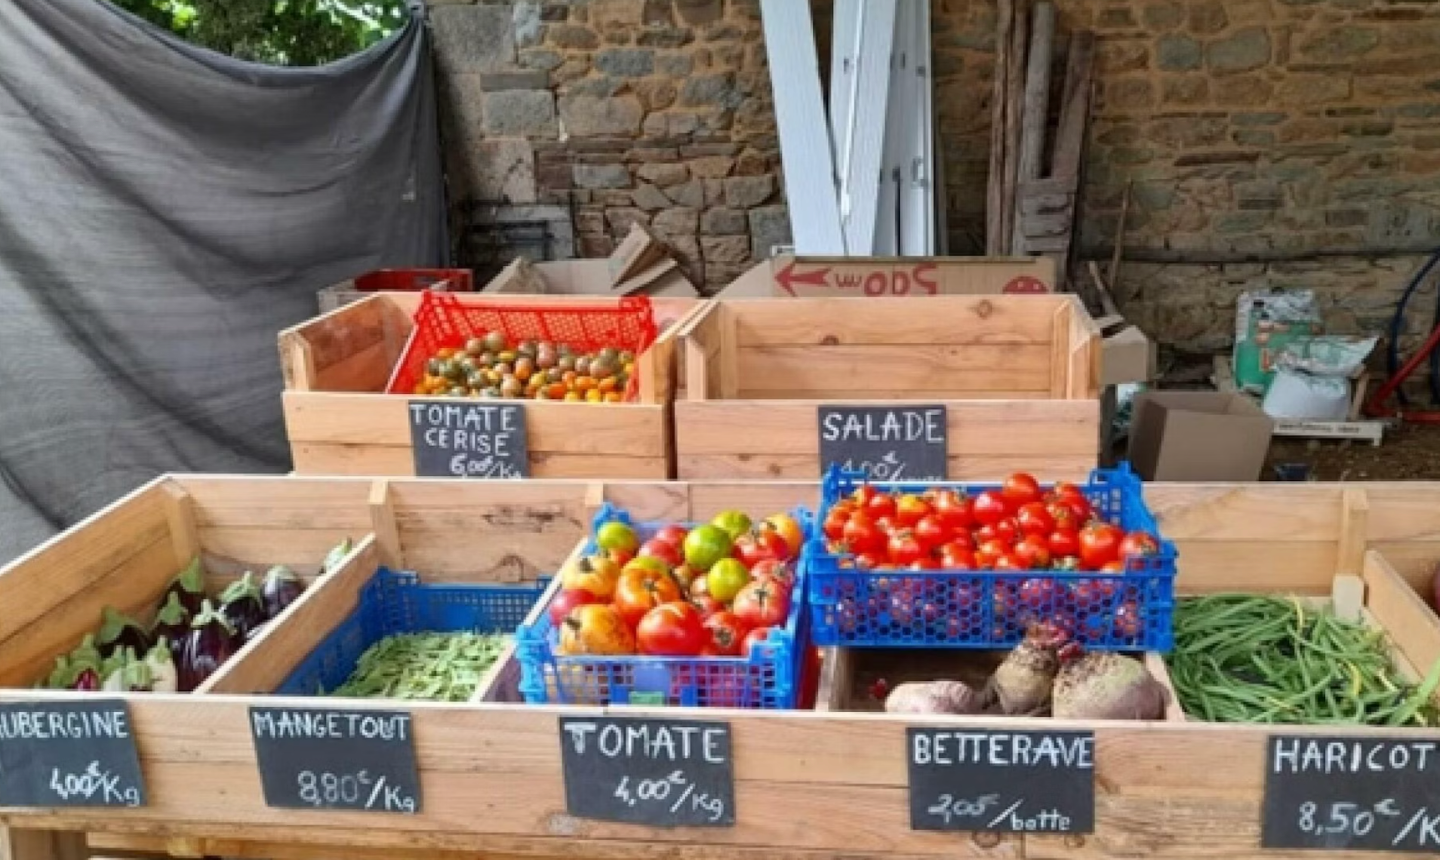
[
  {"x": 973, "y": 566},
  {"x": 699, "y": 614}
]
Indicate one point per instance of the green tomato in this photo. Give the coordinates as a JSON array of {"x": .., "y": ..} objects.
[
  {"x": 705, "y": 545},
  {"x": 735, "y": 523},
  {"x": 617, "y": 537},
  {"x": 726, "y": 579}
]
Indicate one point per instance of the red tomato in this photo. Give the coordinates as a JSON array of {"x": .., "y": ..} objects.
[
  {"x": 835, "y": 521},
  {"x": 994, "y": 547},
  {"x": 667, "y": 552},
  {"x": 1099, "y": 543},
  {"x": 881, "y": 505},
  {"x": 753, "y": 638},
  {"x": 990, "y": 508},
  {"x": 1034, "y": 550},
  {"x": 932, "y": 532},
  {"x": 672, "y": 630},
  {"x": 868, "y": 561},
  {"x": 955, "y": 556},
  {"x": 1139, "y": 543},
  {"x": 1063, "y": 515},
  {"x": 761, "y": 604},
  {"x": 726, "y": 633},
  {"x": 672, "y": 534},
  {"x": 641, "y": 590},
  {"x": 776, "y": 571},
  {"x": 863, "y": 494},
  {"x": 905, "y": 548},
  {"x": 1020, "y": 489},
  {"x": 567, "y": 600},
  {"x": 1063, "y": 542},
  {"x": 887, "y": 525},
  {"x": 927, "y": 563},
  {"x": 1034, "y": 519},
  {"x": 707, "y": 604},
  {"x": 1010, "y": 561},
  {"x": 1005, "y": 530},
  {"x": 910, "y": 509},
  {"x": 1113, "y": 567},
  {"x": 759, "y": 545},
  {"x": 861, "y": 535},
  {"x": 953, "y": 509},
  {"x": 1078, "y": 504}
]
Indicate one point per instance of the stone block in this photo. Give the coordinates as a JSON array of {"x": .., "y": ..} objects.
[
  {"x": 663, "y": 175},
  {"x": 744, "y": 192},
  {"x": 594, "y": 247},
  {"x": 592, "y": 116},
  {"x": 601, "y": 176},
  {"x": 723, "y": 222},
  {"x": 665, "y": 37},
  {"x": 1297, "y": 90},
  {"x": 714, "y": 191},
  {"x": 676, "y": 222},
  {"x": 529, "y": 24},
  {"x": 712, "y": 166},
  {"x": 751, "y": 164},
  {"x": 1178, "y": 53},
  {"x": 617, "y": 12},
  {"x": 706, "y": 90},
  {"x": 1207, "y": 16},
  {"x": 769, "y": 226},
  {"x": 650, "y": 198},
  {"x": 473, "y": 38},
  {"x": 1243, "y": 51},
  {"x": 1163, "y": 16},
  {"x": 656, "y": 94},
  {"x": 572, "y": 37},
  {"x": 725, "y": 249},
  {"x": 620, "y": 219},
  {"x": 541, "y": 58},
  {"x": 1185, "y": 90},
  {"x": 674, "y": 65},
  {"x": 625, "y": 62},
  {"x": 498, "y": 170},
  {"x": 691, "y": 194},
  {"x": 520, "y": 113},
  {"x": 699, "y": 11},
  {"x": 492, "y": 82},
  {"x": 1340, "y": 44}
]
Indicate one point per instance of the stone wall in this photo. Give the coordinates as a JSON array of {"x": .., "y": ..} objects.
[{"x": 626, "y": 110}]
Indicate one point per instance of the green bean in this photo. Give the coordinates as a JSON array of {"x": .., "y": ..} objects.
[{"x": 427, "y": 666}]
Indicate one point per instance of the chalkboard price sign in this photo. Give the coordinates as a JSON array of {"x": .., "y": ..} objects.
[
  {"x": 1352, "y": 794},
  {"x": 312, "y": 758},
  {"x": 69, "y": 754},
  {"x": 886, "y": 443},
  {"x": 660, "y": 773},
  {"x": 1004, "y": 782},
  {"x": 469, "y": 439}
]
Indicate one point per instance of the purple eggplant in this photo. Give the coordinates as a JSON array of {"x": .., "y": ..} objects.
[
  {"x": 336, "y": 555},
  {"x": 243, "y": 606},
  {"x": 210, "y": 643},
  {"x": 172, "y": 624},
  {"x": 188, "y": 586},
  {"x": 119, "y": 631},
  {"x": 280, "y": 589}
]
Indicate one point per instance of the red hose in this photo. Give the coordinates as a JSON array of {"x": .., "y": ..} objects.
[{"x": 1375, "y": 407}]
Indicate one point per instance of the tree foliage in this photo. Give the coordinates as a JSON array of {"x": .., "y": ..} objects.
[{"x": 278, "y": 32}]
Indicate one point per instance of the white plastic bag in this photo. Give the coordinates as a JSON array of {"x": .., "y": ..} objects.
[{"x": 1302, "y": 396}]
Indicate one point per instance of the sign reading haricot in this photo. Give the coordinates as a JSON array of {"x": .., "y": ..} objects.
[
  {"x": 332, "y": 758},
  {"x": 69, "y": 754},
  {"x": 466, "y": 439},
  {"x": 886, "y": 443},
  {"x": 1005, "y": 782},
  {"x": 660, "y": 773},
  {"x": 1352, "y": 794}
]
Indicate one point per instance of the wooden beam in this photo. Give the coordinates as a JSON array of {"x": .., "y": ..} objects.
[
  {"x": 865, "y": 137},
  {"x": 1035, "y": 112},
  {"x": 1014, "y": 101},
  {"x": 1354, "y": 531},
  {"x": 1074, "y": 107},
  {"x": 995, "y": 236}
]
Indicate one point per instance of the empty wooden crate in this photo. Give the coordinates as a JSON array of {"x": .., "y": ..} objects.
[
  {"x": 340, "y": 421},
  {"x": 1018, "y": 377}
]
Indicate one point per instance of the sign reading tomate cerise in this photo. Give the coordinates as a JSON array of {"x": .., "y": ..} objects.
[
  {"x": 931, "y": 276},
  {"x": 460, "y": 439}
]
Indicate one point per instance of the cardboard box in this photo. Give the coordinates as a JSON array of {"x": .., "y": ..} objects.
[
  {"x": 590, "y": 278},
  {"x": 1198, "y": 436},
  {"x": 1127, "y": 356},
  {"x": 822, "y": 277}
]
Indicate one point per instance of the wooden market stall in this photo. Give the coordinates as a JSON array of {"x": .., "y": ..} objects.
[{"x": 806, "y": 784}]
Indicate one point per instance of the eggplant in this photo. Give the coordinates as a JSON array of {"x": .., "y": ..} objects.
[
  {"x": 84, "y": 666},
  {"x": 59, "y": 677},
  {"x": 280, "y": 589},
  {"x": 188, "y": 586},
  {"x": 164, "y": 677},
  {"x": 336, "y": 555},
  {"x": 131, "y": 676},
  {"x": 210, "y": 643},
  {"x": 243, "y": 607},
  {"x": 172, "y": 623},
  {"x": 119, "y": 631}
]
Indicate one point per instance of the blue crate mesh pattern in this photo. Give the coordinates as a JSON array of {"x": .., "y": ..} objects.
[
  {"x": 768, "y": 678},
  {"x": 397, "y": 602},
  {"x": 991, "y": 609}
]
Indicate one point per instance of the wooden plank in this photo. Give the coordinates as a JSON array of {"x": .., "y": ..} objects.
[
  {"x": 842, "y": 394},
  {"x": 1410, "y": 623},
  {"x": 1354, "y": 531},
  {"x": 267, "y": 660},
  {"x": 1074, "y": 110},
  {"x": 804, "y": 134},
  {"x": 354, "y": 460},
  {"x": 384, "y": 528},
  {"x": 278, "y": 502},
  {"x": 729, "y": 359},
  {"x": 1057, "y": 361},
  {"x": 1307, "y": 513},
  {"x": 708, "y": 499},
  {"x": 836, "y": 674},
  {"x": 231, "y": 551},
  {"x": 700, "y": 344},
  {"x": 1155, "y": 665},
  {"x": 180, "y": 516},
  {"x": 870, "y": 94},
  {"x": 994, "y": 321},
  {"x": 25, "y": 844},
  {"x": 1347, "y": 597},
  {"x": 875, "y": 371},
  {"x": 1035, "y": 111},
  {"x": 997, "y": 233},
  {"x": 1207, "y": 567},
  {"x": 1014, "y": 89}
]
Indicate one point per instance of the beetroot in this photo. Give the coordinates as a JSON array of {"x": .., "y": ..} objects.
[
  {"x": 1107, "y": 686},
  {"x": 936, "y": 697},
  {"x": 1022, "y": 682}
]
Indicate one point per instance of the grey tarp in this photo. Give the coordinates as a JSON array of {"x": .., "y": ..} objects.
[{"x": 164, "y": 212}]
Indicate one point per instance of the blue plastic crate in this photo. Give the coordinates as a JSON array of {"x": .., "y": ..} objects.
[
  {"x": 768, "y": 678},
  {"x": 394, "y": 602},
  {"x": 1129, "y": 611}
]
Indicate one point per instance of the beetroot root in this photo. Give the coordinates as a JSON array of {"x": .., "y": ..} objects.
[
  {"x": 1108, "y": 686},
  {"x": 935, "y": 697}
]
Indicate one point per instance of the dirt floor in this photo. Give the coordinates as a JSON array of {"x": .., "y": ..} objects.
[{"x": 1409, "y": 452}]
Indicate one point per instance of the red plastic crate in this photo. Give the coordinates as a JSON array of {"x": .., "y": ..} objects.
[
  {"x": 415, "y": 280},
  {"x": 444, "y": 320}
]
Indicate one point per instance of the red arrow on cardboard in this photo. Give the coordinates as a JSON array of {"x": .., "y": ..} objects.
[{"x": 787, "y": 278}]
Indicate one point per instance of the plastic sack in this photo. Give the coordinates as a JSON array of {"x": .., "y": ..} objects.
[
  {"x": 1301, "y": 396},
  {"x": 1265, "y": 322},
  {"x": 1326, "y": 355}
]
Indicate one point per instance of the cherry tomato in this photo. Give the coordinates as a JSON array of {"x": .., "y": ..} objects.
[
  {"x": 868, "y": 561},
  {"x": 567, "y": 600},
  {"x": 834, "y": 526},
  {"x": 881, "y": 505},
  {"x": 1034, "y": 519},
  {"x": 789, "y": 530},
  {"x": 1139, "y": 543},
  {"x": 905, "y": 548},
  {"x": 1113, "y": 567},
  {"x": 1010, "y": 561},
  {"x": 1005, "y": 529},
  {"x": 672, "y": 630},
  {"x": 1099, "y": 543},
  {"x": 863, "y": 494},
  {"x": 990, "y": 508},
  {"x": 861, "y": 535},
  {"x": 1034, "y": 550},
  {"x": 667, "y": 552},
  {"x": 1063, "y": 515},
  {"x": 1078, "y": 504},
  {"x": 957, "y": 556},
  {"x": 910, "y": 509},
  {"x": 1020, "y": 489},
  {"x": 673, "y": 535},
  {"x": 726, "y": 633},
  {"x": 931, "y": 531},
  {"x": 761, "y": 604},
  {"x": 1063, "y": 542},
  {"x": 953, "y": 509},
  {"x": 641, "y": 590},
  {"x": 929, "y": 562}
]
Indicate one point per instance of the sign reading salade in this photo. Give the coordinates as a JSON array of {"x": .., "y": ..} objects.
[
  {"x": 886, "y": 443},
  {"x": 469, "y": 439},
  {"x": 660, "y": 773},
  {"x": 1005, "y": 782},
  {"x": 69, "y": 754},
  {"x": 1352, "y": 794},
  {"x": 332, "y": 758}
]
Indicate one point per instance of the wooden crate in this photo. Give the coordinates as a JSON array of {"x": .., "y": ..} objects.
[
  {"x": 340, "y": 422},
  {"x": 491, "y": 772},
  {"x": 1018, "y": 375}
]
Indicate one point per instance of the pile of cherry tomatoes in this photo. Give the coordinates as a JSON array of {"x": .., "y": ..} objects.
[{"x": 716, "y": 589}]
